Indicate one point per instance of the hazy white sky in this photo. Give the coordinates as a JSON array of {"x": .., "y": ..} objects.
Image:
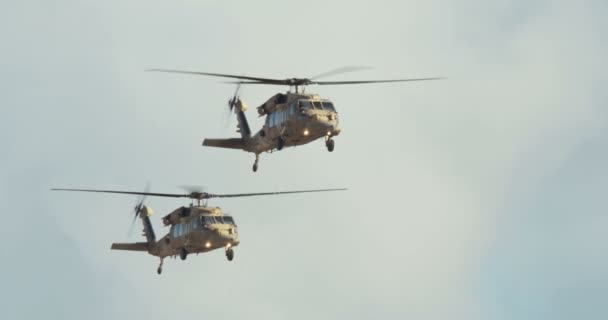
[{"x": 477, "y": 197}]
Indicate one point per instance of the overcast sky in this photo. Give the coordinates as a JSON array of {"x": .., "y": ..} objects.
[{"x": 477, "y": 197}]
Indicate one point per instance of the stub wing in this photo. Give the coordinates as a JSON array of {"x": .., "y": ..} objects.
[
  {"x": 138, "y": 246},
  {"x": 232, "y": 143}
]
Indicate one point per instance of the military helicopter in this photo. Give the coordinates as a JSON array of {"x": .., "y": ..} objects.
[
  {"x": 292, "y": 118},
  {"x": 194, "y": 229}
]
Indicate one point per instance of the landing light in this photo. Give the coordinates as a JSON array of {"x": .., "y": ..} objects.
[
  {"x": 229, "y": 245},
  {"x": 208, "y": 245},
  {"x": 329, "y": 133},
  {"x": 305, "y": 132}
]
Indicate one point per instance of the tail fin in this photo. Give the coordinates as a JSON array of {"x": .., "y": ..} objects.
[
  {"x": 148, "y": 230},
  {"x": 243, "y": 125},
  {"x": 145, "y": 214}
]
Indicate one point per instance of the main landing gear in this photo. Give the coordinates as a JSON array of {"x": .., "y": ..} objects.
[
  {"x": 329, "y": 143},
  {"x": 229, "y": 254},
  {"x": 280, "y": 143},
  {"x": 255, "y": 164}
]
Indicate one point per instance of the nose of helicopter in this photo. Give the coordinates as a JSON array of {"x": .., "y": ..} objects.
[
  {"x": 228, "y": 235},
  {"x": 326, "y": 125}
]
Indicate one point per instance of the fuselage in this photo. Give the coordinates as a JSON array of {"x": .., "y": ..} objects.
[
  {"x": 295, "y": 118},
  {"x": 197, "y": 229}
]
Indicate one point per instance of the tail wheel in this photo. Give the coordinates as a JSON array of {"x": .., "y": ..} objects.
[{"x": 183, "y": 254}]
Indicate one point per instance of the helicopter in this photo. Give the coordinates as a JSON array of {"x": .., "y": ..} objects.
[
  {"x": 292, "y": 118},
  {"x": 194, "y": 229}
]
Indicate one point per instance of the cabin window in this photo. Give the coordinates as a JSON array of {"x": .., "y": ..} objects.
[
  {"x": 177, "y": 230},
  {"x": 329, "y": 106},
  {"x": 196, "y": 223},
  {"x": 209, "y": 220},
  {"x": 292, "y": 109},
  {"x": 317, "y": 105},
  {"x": 305, "y": 105},
  {"x": 273, "y": 119}
]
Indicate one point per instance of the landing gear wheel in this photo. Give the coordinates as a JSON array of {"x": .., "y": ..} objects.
[
  {"x": 280, "y": 144},
  {"x": 160, "y": 266},
  {"x": 183, "y": 254},
  {"x": 330, "y": 145},
  {"x": 230, "y": 254},
  {"x": 255, "y": 164}
]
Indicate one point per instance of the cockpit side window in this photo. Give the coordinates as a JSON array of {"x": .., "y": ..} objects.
[
  {"x": 317, "y": 105},
  {"x": 305, "y": 105},
  {"x": 329, "y": 106}
]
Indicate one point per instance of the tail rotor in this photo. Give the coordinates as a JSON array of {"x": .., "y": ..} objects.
[
  {"x": 138, "y": 207},
  {"x": 235, "y": 98},
  {"x": 232, "y": 103}
]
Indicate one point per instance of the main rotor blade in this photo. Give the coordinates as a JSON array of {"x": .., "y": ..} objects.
[
  {"x": 339, "y": 71},
  {"x": 170, "y": 195},
  {"x": 218, "y": 75},
  {"x": 268, "y": 193},
  {"x": 371, "y": 81},
  {"x": 280, "y": 83}
]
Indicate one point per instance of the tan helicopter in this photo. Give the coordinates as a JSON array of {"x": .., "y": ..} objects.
[
  {"x": 292, "y": 118},
  {"x": 195, "y": 229}
]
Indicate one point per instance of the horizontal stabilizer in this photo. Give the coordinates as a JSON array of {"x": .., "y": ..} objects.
[
  {"x": 233, "y": 143},
  {"x": 138, "y": 246}
]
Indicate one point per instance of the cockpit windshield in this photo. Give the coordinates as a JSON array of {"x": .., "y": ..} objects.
[
  {"x": 229, "y": 220},
  {"x": 316, "y": 105},
  {"x": 218, "y": 220},
  {"x": 329, "y": 106}
]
